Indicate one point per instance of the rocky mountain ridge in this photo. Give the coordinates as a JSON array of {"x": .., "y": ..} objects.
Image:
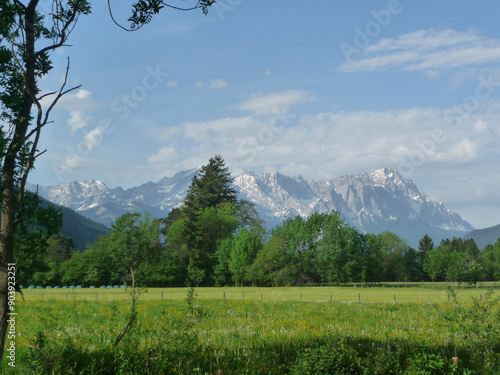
[{"x": 374, "y": 201}]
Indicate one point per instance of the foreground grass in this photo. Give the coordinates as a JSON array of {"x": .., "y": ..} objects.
[{"x": 277, "y": 335}]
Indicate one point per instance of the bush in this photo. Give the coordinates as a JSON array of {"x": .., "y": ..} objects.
[
  {"x": 428, "y": 364},
  {"x": 335, "y": 358}
]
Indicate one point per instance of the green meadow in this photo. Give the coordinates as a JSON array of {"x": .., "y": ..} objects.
[
  {"x": 411, "y": 293},
  {"x": 308, "y": 330}
]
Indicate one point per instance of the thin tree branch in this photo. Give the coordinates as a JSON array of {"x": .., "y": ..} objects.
[
  {"x": 47, "y": 94},
  {"x": 117, "y": 23},
  {"x": 127, "y": 327},
  {"x": 197, "y": 6},
  {"x": 40, "y": 349},
  {"x": 20, "y": 4},
  {"x": 64, "y": 32},
  {"x": 40, "y": 154},
  {"x": 37, "y": 132},
  {"x": 60, "y": 94}
]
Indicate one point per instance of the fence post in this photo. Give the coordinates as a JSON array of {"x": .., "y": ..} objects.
[
  {"x": 331, "y": 297},
  {"x": 394, "y": 297},
  {"x": 420, "y": 297},
  {"x": 261, "y": 297},
  {"x": 224, "y": 295},
  {"x": 97, "y": 296},
  {"x": 243, "y": 295},
  {"x": 359, "y": 297},
  {"x": 301, "y": 296},
  {"x": 42, "y": 296},
  {"x": 66, "y": 296},
  {"x": 162, "y": 296}
]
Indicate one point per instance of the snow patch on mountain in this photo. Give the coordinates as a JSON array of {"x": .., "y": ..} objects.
[{"x": 375, "y": 201}]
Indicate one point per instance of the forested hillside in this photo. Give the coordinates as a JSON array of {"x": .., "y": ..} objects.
[
  {"x": 486, "y": 236},
  {"x": 81, "y": 230}
]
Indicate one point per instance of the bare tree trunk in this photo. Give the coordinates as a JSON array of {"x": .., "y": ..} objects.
[
  {"x": 6, "y": 257},
  {"x": 7, "y": 232},
  {"x": 10, "y": 205}
]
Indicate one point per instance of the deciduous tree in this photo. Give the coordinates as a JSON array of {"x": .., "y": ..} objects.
[{"x": 245, "y": 247}]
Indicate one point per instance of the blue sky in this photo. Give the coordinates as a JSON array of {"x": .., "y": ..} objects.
[{"x": 317, "y": 90}]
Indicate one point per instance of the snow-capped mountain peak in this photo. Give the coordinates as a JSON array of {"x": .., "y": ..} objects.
[{"x": 375, "y": 201}]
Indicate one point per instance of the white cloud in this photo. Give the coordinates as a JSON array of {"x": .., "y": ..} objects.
[
  {"x": 79, "y": 105},
  {"x": 464, "y": 150},
  {"x": 77, "y": 120},
  {"x": 438, "y": 155},
  {"x": 164, "y": 155},
  {"x": 94, "y": 137},
  {"x": 199, "y": 85},
  {"x": 335, "y": 143},
  {"x": 427, "y": 40},
  {"x": 172, "y": 83},
  {"x": 224, "y": 128},
  {"x": 217, "y": 128},
  {"x": 275, "y": 103},
  {"x": 78, "y": 101},
  {"x": 83, "y": 94},
  {"x": 427, "y": 50},
  {"x": 218, "y": 84},
  {"x": 481, "y": 126}
]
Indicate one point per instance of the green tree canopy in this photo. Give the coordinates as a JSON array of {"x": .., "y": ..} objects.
[
  {"x": 133, "y": 245},
  {"x": 244, "y": 249},
  {"x": 343, "y": 252},
  {"x": 490, "y": 259}
]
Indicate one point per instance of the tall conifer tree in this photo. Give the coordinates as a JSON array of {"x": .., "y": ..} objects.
[{"x": 211, "y": 188}]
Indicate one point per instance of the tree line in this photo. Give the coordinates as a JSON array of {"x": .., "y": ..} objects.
[{"x": 215, "y": 239}]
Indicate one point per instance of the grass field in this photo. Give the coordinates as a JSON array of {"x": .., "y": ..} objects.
[
  {"x": 313, "y": 294},
  {"x": 266, "y": 331}
]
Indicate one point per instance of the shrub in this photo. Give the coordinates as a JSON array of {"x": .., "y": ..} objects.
[
  {"x": 335, "y": 358},
  {"x": 428, "y": 364}
]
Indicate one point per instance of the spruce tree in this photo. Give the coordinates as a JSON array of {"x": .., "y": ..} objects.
[{"x": 210, "y": 188}]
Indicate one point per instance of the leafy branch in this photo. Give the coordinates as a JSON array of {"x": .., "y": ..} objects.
[{"x": 144, "y": 10}]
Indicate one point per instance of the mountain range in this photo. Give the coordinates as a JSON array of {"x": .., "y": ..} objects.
[{"x": 375, "y": 201}]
